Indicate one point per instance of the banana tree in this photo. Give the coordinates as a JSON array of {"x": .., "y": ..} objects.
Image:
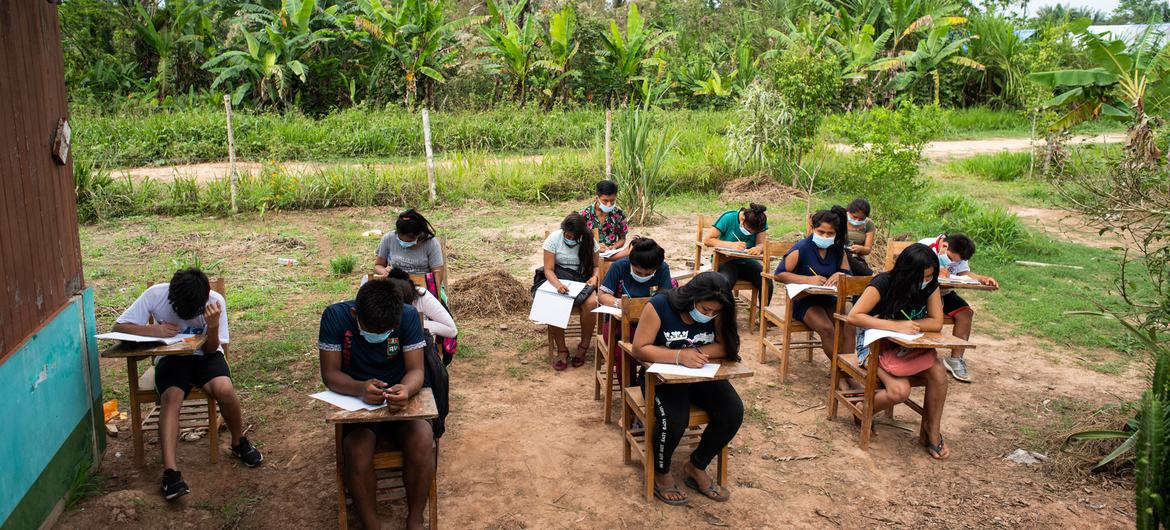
[
  {"x": 627, "y": 55},
  {"x": 715, "y": 86},
  {"x": 274, "y": 53},
  {"x": 417, "y": 35},
  {"x": 561, "y": 46},
  {"x": 174, "y": 29},
  {"x": 857, "y": 50},
  {"x": 1128, "y": 81},
  {"x": 927, "y": 59},
  {"x": 514, "y": 50}
]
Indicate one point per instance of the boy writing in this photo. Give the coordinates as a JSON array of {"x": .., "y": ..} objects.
[
  {"x": 953, "y": 252},
  {"x": 372, "y": 347},
  {"x": 188, "y": 305}
]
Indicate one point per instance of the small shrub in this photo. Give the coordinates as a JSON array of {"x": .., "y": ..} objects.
[
  {"x": 1000, "y": 167},
  {"x": 342, "y": 265}
]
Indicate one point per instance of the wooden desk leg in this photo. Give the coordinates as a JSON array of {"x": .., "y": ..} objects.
[
  {"x": 342, "y": 516},
  {"x": 135, "y": 411},
  {"x": 648, "y": 462},
  {"x": 610, "y": 346}
]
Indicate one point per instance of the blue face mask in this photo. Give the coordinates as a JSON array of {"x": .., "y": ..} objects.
[
  {"x": 607, "y": 209},
  {"x": 569, "y": 242},
  {"x": 406, "y": 244},
  {"x": 944, "y": 260},
  {"x": 374, "y": 338},
  {"x": 823, "y": 242},
  {"x": 699, "y": 316},
  {"x": 924, "y": 284},
  {"x": 743, "y": 229},
  {"x": 855, "y": 222},
  {"x": 641, "y": 279}
]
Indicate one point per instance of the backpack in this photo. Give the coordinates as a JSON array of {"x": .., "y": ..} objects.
[
  {"x": 436, "y": 378},
  {"x": 446, "y": 346}
]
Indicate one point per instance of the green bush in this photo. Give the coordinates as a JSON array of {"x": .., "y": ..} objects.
[
  {"x": 1000, "y": 167},
  {"x": 342, "y": 265},
  {"x": 998, "y": 233}
]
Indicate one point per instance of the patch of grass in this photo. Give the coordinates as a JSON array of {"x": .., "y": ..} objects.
[
  {"x": 519, "y": 373},
  {"x": 83, "y": 484},
  {"x": 1001, "y": 167},
  {"x": 343, "y": 264}
]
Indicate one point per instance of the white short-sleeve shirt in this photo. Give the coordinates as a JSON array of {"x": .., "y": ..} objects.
[{"x": 153, "y": 303}]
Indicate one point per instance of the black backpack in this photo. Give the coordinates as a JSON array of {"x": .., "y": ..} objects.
[{"x": 435, "y": 377}]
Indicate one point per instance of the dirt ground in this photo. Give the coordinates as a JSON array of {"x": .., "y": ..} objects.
[{"x": 526, "y": 446}]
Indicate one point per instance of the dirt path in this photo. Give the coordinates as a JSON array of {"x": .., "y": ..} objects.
[
  {"x": 211, "y": 171},
  {"x": 526, "y": 447}
]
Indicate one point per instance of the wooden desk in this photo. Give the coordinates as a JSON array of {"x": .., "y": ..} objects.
[
  {"x": 720, "y": 255},
  {"x": 962, "y": 285},
  {"x": 420, "y": 407},
  {"x": 933, "y": 339},
  {"x": 134, "y": 352}
]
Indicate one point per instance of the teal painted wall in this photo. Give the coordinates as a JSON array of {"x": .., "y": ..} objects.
[{"x": 48, "y": 388}]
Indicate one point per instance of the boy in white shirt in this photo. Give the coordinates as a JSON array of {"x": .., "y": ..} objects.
[
  {"x": 188, "y": 305},
  {"x": 953, "y": 252}
]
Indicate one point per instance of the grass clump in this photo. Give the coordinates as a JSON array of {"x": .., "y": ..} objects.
[
  {"x": 342, "y": 265},
  {"x": 1000, "y": 167}
]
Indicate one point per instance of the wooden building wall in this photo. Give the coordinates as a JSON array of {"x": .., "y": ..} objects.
[{"x": 40, "y": 252}]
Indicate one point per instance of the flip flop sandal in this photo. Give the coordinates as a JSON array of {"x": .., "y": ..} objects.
[
  {"x": 578, "y": 361},
  {"x": 712, "y": 491},
  {"x": 660, "y": 494},
  {"x": 560, "y": 364},
  {"x": 936, "y": 451}
]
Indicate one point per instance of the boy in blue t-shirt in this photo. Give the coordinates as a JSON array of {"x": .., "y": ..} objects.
[
  {"x": 372, "y": 347},
  {"x": 642, "y": 274}
]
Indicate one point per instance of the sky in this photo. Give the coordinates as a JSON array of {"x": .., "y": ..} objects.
[{"x": 1106, "y": 6}]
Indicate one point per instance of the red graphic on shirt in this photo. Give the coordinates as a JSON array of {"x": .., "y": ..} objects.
[{"x": 346, "y": 346}]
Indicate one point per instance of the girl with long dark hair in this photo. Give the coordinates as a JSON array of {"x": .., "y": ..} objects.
[
  {"x": 570, "y": 253},
  {"x": 906, "y": 300},
  {"x": 745, "y": 230},
  {"x": 818, "y": 259},
  {"x": 412, "y": 247},
  {"x": 691, "y": 325}
]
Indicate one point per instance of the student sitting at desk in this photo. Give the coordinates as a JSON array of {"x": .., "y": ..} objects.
[
  {"x": 679, "y": 326},
  {"x": 861, "y": 233},
  {"x": 745, "y": 231},
  {"x": 818, "y": 259},
  {"x": 570, "y": 254},
  {"x": 372, "y": 347},
  {"x": 953, "y": 252},
  {"x": 642, "y": 274},
  {"x": 906, "y": 300},
  {"x": 412, "y": 247},
  {"x": 188, "y": 305},
  {"x": 608, "y": 220},
  {"x": 438, "y": 320}
]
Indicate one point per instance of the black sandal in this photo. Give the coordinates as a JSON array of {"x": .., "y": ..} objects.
[
  {"x": 712, "y": 492},
  {"x": 660, "y": 494}
]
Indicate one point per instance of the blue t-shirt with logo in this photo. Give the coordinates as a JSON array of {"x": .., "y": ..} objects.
[
  {"x": 619, "y": 280},
  {"x": 361, "y": 359}
]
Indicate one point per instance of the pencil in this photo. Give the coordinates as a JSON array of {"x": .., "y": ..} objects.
[
  {"x": 905, "y": 315},
  {"x": 815, "y": 275}
]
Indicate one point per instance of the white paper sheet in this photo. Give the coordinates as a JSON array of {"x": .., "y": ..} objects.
[
  {"x": 343, "y": 401},
  {"x": 797, "y": 288},
  {"x": 955, "y": 280},
  {"x": 574, "y": 288},
  {"x": 739, "y": 253},
  {"x": 708, "y": 370},
  {"x": 114, "y": 335},
  {"x": 610, "y": 252},
  {"x": 553, "y": 308},
  {"x": 608, "y": 310},
  {"x": 872, "y": 335}
]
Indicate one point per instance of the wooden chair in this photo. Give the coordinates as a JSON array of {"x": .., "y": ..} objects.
[
  {"x": 752, "y": 302},
  {"x": 198, "y": 410},
  {"x": 388, "y": 466},
  {"x": 605, "y": 374},
  {"x": 783, "y": 320},
  {"x": 860, "y": 405},
  {"x": 634, "y": 406}
]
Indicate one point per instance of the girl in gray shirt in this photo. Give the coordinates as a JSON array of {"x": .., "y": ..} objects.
[{"x": 412, "y": 247}]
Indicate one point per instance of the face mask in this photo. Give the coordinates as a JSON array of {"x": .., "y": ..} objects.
[
  {"x": 407, "y": 244},
  {"x": 641, "y": 279},
  {"x": 855, "y": 222},
  {"x": 944, "y": 260},
  {"x": 924, "y": 284},
  {"x": 607, "y": 209},
  {"x": 699, "y": 316},
  {"x": 374, "y": 338},
  {"x": 743, "y": 229},
  {"x": 570, "y": 242},
  {"x": 823, "y": 242}
]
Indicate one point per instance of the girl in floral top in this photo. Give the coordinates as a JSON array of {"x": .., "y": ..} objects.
[{"x": 607, "y": 220}]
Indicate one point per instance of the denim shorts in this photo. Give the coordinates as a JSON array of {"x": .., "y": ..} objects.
[{"x": 862, "y": 349}]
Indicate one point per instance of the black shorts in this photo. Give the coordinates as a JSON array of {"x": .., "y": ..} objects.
[
  {"x": 384, "y": 431},
  {"x": 189, "y": 371},
  {"x": 954, "y": 304}
]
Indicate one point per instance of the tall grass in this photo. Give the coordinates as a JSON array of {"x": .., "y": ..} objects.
[
  {"x": 998, "y": 233},
  {"x": 1001, "y": 167}
]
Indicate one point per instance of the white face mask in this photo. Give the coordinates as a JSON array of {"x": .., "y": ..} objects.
[{"x": 639, "y": 278}]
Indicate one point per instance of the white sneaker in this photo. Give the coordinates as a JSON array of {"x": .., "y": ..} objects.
[{"x": 957, "y": 366}]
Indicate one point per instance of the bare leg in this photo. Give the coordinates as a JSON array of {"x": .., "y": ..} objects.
[
  {"x": 820, "y": 322},
  {"x": 418, "y": 447},
  {"x": 588, "y": 324},
  {"x": 936, "y": 397},
  {"x": 222, "y": 391},
  {"x": 170, "y": 403},
  {"x": 962, "y": 330},
  {"x": 558, "y": 335},
  {"x": 897, "y": 390},
  {"x": 359, "y": 474}
]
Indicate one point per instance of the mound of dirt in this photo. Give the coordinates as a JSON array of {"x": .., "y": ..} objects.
[
  {"x": 759, "y": 188},
  {"x": 490, "y": 293}
]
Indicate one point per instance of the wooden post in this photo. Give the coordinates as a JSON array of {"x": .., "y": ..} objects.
[
  {"x": 430, "y": 154},
  {"x": 608, "y": 151},
  {"x": 227, "y": 105}
]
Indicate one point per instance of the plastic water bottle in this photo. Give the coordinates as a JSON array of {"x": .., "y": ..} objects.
[{"x": 286, "y": 261}]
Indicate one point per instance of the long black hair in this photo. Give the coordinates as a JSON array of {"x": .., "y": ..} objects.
[
  {"x": 710, "y": 286},
  {"x": 411, "y": 222},
  {"x": 646, "y": 253},
  {"x": 835, "y": 216},
  {"x": 906, "y": 291},
  {"x": 402, "y": 279},
  {"x": 754, "y": 218},
  {"x": 576, "y": 224}
]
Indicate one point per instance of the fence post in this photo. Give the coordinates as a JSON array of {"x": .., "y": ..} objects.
[
  {"x": 608, "y": 152},
  {"x": 227, "y": 105},
  {"x": 426, "y": 115}
]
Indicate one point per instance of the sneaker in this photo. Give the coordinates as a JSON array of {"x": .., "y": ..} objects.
[
  {"x": 247, "y": 453},
  {"x": 173, "y": 485},
  {"x": 957, "y": 366}
]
